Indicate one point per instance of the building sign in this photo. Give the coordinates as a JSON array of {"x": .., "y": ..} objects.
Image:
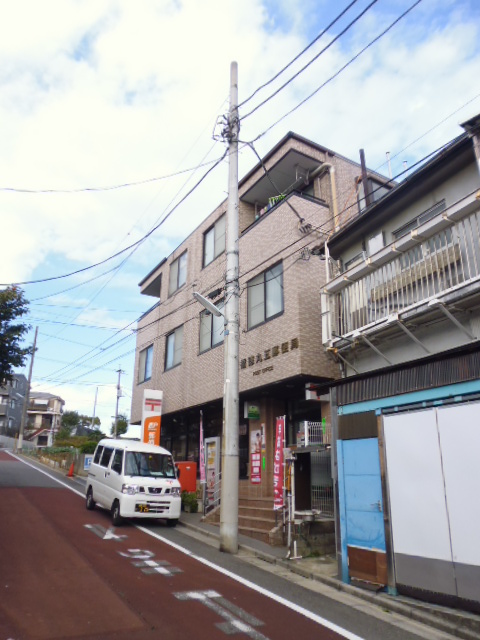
[
  {"x": 267, "y": 355},
  {"x": 151, "y": 416},
  {"x": 252, "y": 411},
  {"x": 278, "y": 464}
]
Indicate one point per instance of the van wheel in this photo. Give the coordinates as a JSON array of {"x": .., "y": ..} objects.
[
  {"x": 90, "y": 502},
  {"x": 116, "y": 517},
  {"x": 172, "y": 522}
]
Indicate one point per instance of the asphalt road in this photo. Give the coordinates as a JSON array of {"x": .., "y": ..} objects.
[{"x": 65, "y": 572}]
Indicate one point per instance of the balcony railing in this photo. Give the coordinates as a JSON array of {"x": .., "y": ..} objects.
[{"x": 422, "y": 270}]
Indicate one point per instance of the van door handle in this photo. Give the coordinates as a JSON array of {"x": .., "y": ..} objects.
[{"x": 106, "y": 474}]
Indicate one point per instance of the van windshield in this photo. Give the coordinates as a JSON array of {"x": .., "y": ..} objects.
[{"x": 149, "y": 465}]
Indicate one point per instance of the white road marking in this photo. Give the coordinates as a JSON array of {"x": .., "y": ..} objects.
[{"x": 251, "y": 585}]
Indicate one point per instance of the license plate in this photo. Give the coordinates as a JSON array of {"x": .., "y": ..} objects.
[{"x": 142, "y": 508}]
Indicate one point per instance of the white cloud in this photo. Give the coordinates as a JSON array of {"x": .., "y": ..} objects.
[{"x": 114, "y": 91}]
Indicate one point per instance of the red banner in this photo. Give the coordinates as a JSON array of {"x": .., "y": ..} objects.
[{"x": 278, "y": 464}]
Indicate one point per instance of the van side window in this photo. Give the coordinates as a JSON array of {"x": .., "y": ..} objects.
[
  {"x": 107, "y": 454},
  {"x": 98, "y": 454},
  {"x": 117, "y": 461}
]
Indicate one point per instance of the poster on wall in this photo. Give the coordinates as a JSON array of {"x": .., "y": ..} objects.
[
  {"x": 151, "y": 416},
  {"x": 202, "y": 452},
  {"x": 278, "y": 464},
  {"x": 255, "y": 456}
]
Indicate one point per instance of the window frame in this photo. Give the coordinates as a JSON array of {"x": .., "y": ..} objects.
[
  {"x": 175, "y": 363},
  {"x": 176, "y": 270},
  {"x": 208, "y": 317},
  {"x": 219, "y": 245},
  {"x": 264, "y": 302},
  {"x": 144, "y": 363}
]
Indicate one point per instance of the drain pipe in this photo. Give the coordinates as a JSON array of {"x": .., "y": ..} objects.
[{"x": 316, "y": 173}]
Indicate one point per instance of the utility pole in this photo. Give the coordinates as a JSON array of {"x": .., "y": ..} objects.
[
  {"x": 229, "y": 486},
  {"x": 119, "y": 394},
  {"x": 27, "y": 394},
  {"x": 94, "y": 408}
]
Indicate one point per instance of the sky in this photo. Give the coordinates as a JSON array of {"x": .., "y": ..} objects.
[{"x": 108, "y": 119}]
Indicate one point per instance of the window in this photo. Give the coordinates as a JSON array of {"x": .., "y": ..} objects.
[
  {"x": 211, "y": 329},
  {"x": 173, "y": 351},
  {"x": 214, "y": 241},
  {"x": 149, "y": 465},
  {"x": 178, "y": 273},
  {"x": 265, "y": 296},
  {"x": 117, "y": 461},
  {"x": 107, "y": 454},
  {"x": 145, "y": 360},
  {"x": 98, "y": 454},
  {"x": 423, "y": 217}
]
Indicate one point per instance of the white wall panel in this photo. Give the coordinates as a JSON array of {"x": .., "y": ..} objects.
[
  {"x": 416, "y": 487},
  {"x": 459, "y": 428}
]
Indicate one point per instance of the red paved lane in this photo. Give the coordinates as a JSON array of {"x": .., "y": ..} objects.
[{"x": 60, "y": 579}]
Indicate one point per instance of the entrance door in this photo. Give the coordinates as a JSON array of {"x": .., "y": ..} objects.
[{"x": 362, "y": 509}]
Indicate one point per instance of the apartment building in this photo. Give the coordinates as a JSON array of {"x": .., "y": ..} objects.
[
  {"x": 289, "y": 203},
  {"x": 401, "y": 316},
  {"x": 12, "y": 398}
]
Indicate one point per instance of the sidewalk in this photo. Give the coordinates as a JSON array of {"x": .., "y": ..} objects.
[{"x": 458, "y": 623}]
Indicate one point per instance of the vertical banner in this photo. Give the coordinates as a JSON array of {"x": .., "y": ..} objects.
[
  {"x": 202, "y": 452},
  {"x": 151, "y": 416},
  {"x": 278, "y": 464},
  {"x": 255, "y": 456}
]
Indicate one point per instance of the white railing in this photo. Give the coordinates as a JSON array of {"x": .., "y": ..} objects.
[
  {"x": 442, "y": 263},
  {"x": 317, "y": 433}
]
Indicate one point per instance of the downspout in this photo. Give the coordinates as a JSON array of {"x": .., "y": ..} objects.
[{"x": 326, "y": 166}]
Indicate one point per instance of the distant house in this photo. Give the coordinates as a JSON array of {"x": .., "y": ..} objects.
[
  {"x": 44, "y": 417},
  {"x": 401, "y": 317},
  {"x": 12, "y": 398}
]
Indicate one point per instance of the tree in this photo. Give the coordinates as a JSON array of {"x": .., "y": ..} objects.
[
  {"x": 122, "y": 424},
  {"x": 72, "y": 421},
  {"x": 13, "y": 305}
]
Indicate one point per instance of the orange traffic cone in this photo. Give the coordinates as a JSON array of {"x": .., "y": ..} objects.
[{"x": 70, "y": 472}]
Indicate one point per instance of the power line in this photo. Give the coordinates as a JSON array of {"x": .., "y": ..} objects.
[
  {"x": 330, "y": 44},
  {"x": 109, "y": 188},
  {"x": 133, "y": 245},
  {"x": 372, "y": 42},
  {"x": 322, "y": 33}
]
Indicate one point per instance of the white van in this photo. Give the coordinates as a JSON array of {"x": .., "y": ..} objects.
[{"x": 133, "y": 480}]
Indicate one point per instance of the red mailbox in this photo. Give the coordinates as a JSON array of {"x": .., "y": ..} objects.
[{"x": 188, "y": 475}]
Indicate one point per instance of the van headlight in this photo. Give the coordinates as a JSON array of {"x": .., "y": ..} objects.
[
  {"x": 176, "y": 491},
  {"x": 130, "y": 489}
]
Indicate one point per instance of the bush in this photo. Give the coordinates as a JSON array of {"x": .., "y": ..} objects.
[
  {"x": 189, "y": 500},
  {"x": 88, "y": 447}
]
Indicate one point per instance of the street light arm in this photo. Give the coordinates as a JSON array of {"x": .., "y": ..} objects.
[{"x": 207, "y": 304}]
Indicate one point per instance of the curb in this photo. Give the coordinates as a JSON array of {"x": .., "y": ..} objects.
[{"x": 385, "y": 602}]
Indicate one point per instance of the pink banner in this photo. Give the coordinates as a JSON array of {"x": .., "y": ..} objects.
[
  {"x": 202, "y": 451},
  {"x": 278, "y": 464}
]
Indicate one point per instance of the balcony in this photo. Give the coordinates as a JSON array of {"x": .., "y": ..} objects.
[{"x": 425, "y": 272}]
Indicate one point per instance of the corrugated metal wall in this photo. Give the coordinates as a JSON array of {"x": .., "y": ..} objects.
[{"x": 433, "y": 373}]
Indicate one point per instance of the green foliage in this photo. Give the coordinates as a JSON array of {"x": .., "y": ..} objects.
[
  {"x": 189, "y": 500},
  {"x": 12, "y": 306},
  {"x": 122, "y": 425},
  {"x": 88, "y": 447}
]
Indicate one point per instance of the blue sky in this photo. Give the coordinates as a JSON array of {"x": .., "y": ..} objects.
[{"x": 113, "y": 93}]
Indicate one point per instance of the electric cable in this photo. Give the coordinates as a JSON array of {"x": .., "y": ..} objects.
[
  {"x": 320, "y": 35},
  {"x": 134, "y": 244},
  {"x": 347, "y": 64},
  {"x": 326, "y": 48}
]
